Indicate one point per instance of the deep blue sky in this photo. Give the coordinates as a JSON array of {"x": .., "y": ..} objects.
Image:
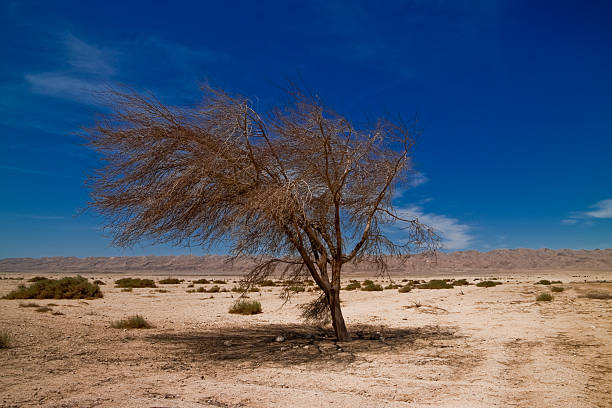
[{"x": 514, "y": 98}]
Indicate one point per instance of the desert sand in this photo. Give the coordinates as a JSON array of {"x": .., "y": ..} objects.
[{"x": 462, "y": 347}]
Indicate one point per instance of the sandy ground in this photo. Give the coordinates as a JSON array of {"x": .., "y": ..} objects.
[{"x": 460, "y": 347}]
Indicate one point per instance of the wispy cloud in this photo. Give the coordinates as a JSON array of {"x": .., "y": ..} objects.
[
  {"x": 569, "y": 221},
  {"x": 454, "y": 234},
  {"x": 83, "y": 70},
  {"x": 87, "y": 58},
  {"x": 600, "y": 210},
  {"x": 65, "y": 86},
  {"x": 417, "y": 178}
]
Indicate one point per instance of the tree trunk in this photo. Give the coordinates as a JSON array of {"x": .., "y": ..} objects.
[{"x": 336, "y": 315}]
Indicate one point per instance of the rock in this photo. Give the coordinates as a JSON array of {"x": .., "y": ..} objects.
[
  {"x": 227, "y": 343},
  {"x": 279, "y": 339}
]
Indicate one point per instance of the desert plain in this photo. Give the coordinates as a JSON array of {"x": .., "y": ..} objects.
[{"x": 467, "y": 346}]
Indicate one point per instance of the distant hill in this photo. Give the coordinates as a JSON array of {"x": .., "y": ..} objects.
[{"x": 496, "y": 260}]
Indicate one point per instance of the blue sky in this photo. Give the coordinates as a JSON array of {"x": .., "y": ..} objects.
[{"x": 514, "y": 99}]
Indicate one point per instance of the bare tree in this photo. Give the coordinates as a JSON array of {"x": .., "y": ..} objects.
[{"x": 298, "y": 186}]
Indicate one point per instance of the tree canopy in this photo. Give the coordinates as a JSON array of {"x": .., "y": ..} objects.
[{"x": 297, "y": 186}]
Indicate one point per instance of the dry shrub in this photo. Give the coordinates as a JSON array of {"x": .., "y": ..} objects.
[
  {"x": 488, "y": 284},
  {"x": 76, "y": 287},
  {"x": 353, "y": 285},
  {"x": 132, "y": 322},
  {"x": 170, "y": 281},
  {"x": 135, "y": 283},
  {"x": 436, "y": 284},
  {"x": 373, "y": 287},
  {"x": 544, "y": 297},
  {"x": 405, "y": 289},
  {"x": 246, "y": 307}
]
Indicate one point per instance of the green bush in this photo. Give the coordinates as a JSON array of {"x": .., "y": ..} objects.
[
  {"x": 296, "y": 289},
  {"x": 246, "y": 307},
  {"x": 353, "y": 285},
  {"x": 202, "y": 281},
  {"x": 436, "y": 284},
  {"x": 543, "y": 282},
  {"x": 219, "y": 281},
  {"x": 544, "y": 297},
  {"x": 65, "y": 288},
  {"x": 170, "y": 281},
  {"x": 368, "y": 282},
  {"x": 6, "y": 339},
  {"x": 405, "y": 289},
  {"x": 135, "y": 283},
  {"x": 557, "y": 289},
  {"x": 373, "y": 287},
  {"x": 132, "y": 322},
  {"x": 460, "y": 282},
  {"x": 212, "y": 289},
  {"x": 37, "y": 279},
  {"x": 488, "y": 284},
  {"x": 392, "y": 286}
]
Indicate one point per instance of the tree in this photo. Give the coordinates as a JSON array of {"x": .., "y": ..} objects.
[{"x": 298, "y": 186}]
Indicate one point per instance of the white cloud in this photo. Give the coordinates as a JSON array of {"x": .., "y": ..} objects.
[
  {"x": 601, "y": 209},
  {"x": 454, "y": 234}
]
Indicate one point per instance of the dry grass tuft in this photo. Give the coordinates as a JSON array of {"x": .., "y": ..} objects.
[
  {"x": 246, "y": 307},
  {"x": 544, "y": 297},
  {"x": 6, "y": 339}
]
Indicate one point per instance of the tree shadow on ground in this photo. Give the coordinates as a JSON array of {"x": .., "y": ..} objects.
[{"x": 295, "y": 344}]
